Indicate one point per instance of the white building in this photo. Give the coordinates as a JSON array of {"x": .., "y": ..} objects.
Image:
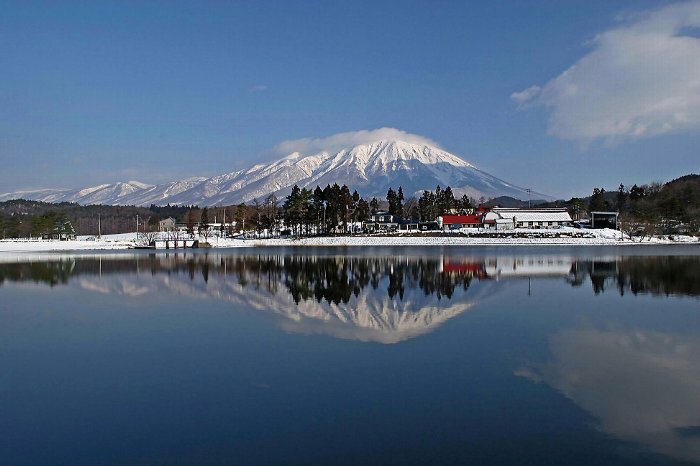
[
  {"x": 530, "y": 218},
  {"x": 167, "y": 224}
]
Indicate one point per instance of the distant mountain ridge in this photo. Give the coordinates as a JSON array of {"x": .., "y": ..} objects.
[{"x": 369, "y": 168}]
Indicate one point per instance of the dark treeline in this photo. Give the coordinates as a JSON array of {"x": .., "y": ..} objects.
[
  {"x": 654, "y": 275},
  {"x": 22, "y": 219},
  {"x": 653, "y": 208}
]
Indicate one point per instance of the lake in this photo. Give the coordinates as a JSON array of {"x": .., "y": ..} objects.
[{"x": 532, "y": 355}]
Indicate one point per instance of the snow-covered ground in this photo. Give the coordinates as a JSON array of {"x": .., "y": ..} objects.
[
  {"x": 564, "y": 236},
  {"x": 124, "y": 241}
]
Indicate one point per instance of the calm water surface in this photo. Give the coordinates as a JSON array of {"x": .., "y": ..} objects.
[{"x": 352, "y": 356}]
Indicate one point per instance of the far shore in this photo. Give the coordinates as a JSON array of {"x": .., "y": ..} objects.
[{"x": 564, "y": 237}]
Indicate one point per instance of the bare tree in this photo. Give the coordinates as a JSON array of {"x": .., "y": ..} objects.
[
  {"x": 147, "y": 238},
  {"x": 204, "y": 224}
]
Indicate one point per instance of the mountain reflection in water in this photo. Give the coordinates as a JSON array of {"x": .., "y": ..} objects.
[
  {"x": 335, "y": 279},
  {"x": 365, "y": 298}
]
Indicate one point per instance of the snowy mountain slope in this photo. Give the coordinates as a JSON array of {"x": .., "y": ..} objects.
[{"x": 370, "y": 168}]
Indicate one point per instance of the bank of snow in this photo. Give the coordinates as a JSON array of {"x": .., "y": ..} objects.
[
  {"x": 106, "y": 243},
  {"x": 520, "y": 237}
]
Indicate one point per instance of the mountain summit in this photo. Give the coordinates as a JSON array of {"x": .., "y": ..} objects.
[{"x": 369, "y": 168}]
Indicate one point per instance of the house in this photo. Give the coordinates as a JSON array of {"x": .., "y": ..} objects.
[
  {"x": 455, "y": 222},
  {"x": 408, "y": 225},
  {"x": 382, "y": 216},
  {"x": 533, "y": 218},
  {"x": 382, "y": 220},
  {"x": 167, "y": 224}
]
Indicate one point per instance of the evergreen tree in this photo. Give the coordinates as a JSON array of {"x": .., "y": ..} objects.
[
  {"x": 13, "y": 227},
  {"x": 391, "y": 198},
  {"x": 399, "y": 202},
  {"x": 240, "y": 215},
  {"x": 204, "y": 224},
  {"x": 345, "y": 199},
  {"x": 426, "y": 206},
  {"x": 466, "y": 203},
  {"x": 292, "y": 209},
  {"x": 597, "y": 202},
  {"x": 363, "y": 210},
  {"x": 621, "y": 198},
  {"x": 318, "y": 207},
  {"x": 447, "y": 201}
]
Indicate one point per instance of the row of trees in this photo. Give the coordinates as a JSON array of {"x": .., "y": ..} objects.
[
  {"x": 328, "y": 211},
  {"x": 35, "y": 226},
  {"x": 21, "y": 218}
]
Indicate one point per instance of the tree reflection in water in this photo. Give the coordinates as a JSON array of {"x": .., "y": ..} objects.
[{"x": 335, "y": 279}]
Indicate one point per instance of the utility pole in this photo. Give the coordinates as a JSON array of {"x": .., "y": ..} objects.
[
  {"x": 99, "y": 227},
  {"x": 137, "y": 224},
  {"x": 529, "y": 198}
]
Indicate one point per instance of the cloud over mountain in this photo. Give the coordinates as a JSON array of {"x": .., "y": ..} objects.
[
  {"x": 640, "y": 79},
  {"x": 340, "y": 141}
]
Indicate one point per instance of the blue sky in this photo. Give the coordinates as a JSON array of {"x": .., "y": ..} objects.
[{"x": 555, "y": 95}]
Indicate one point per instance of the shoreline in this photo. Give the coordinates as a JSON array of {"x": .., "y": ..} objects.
[{"x": 524, "y": 238}]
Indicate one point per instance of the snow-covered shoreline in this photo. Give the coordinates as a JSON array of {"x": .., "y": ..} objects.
[{"x": 565, "y": 237}]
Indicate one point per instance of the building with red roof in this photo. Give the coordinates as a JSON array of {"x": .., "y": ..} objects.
[{"x": 455, "y": 222}]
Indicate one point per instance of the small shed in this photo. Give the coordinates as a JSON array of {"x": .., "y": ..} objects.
[{"x": 604, "y": 220}]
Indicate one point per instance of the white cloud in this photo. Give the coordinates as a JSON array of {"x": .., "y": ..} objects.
[
  {"x": 641, "y": 385},
  {"x": 258, "y": 88},
  {"x": 345, "y": 140},
  {"x": 641, "y": 79},
  {"x": 526, "y": 95}
]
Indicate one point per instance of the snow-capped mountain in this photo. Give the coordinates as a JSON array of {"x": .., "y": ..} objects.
[{"x": 370, "y": 168}]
